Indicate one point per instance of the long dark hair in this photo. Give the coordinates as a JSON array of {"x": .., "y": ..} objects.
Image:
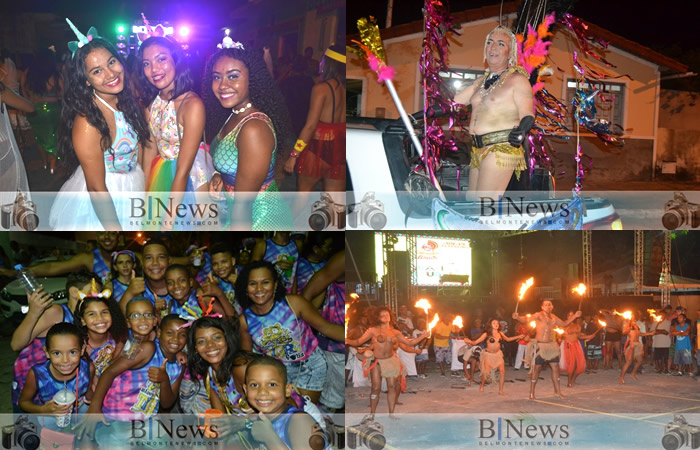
[
  {"x": 333, "y": 68},
  {"x": 183, "y": 76},
  {"x": 118, "y": 330},
  {"x": 79, "y": 100},
  {"x": 263, "y": 91},
  {"x": 41, "y": 70},
  {"x": 198, "y": 367},
  {"x": 244, "y": 276}
]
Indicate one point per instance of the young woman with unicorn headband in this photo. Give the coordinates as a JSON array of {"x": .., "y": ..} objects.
[
  {"x": 101, "y": 130},
  {"x": 502, "y": 114}
]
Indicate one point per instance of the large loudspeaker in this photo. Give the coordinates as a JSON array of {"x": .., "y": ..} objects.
[
  {"x": 653, "y": 257},
  {"x": 399, "y": 262}
]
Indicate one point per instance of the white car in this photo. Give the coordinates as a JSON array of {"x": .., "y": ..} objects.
[{"x": 385, "y": 192}]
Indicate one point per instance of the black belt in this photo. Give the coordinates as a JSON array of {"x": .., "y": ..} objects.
[{"x": 495, "y": 137}]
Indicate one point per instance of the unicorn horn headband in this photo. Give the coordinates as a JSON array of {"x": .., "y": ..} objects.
[
  {"x": 73, "y": 46},
  {"x": 227, "y": 42}
]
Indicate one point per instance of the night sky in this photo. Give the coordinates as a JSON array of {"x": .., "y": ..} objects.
[{"x": 646, "y": 22}]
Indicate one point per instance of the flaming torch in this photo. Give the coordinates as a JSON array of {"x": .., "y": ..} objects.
[
  {"x": 602, "y": 324},
  {"x": 347, "y": 319},
  {"x": 533, "y": 324},
  {"x": 425, "y": 305},
  {"x": 523, "y": 288},
  {"x": 354, "y": 296},
  {"x": 458, "y": 322},
  {"x": 580, "y": 290},
  {"x": 656, "y": 317},
  {"x": 432, "y": 324},
  {"x": 558, "y": 330}
]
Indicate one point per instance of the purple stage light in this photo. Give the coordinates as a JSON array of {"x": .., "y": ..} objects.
[{"x": 184, "y": 31}]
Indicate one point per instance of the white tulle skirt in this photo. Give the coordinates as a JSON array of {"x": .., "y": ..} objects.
[{"x": 72, "y": 209}]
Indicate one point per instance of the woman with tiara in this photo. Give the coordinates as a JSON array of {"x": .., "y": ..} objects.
[
  {"x": 237, "y": 84},
  {"x": 101, "y": 128},
  {"x": 324, "y": 131},
  {"x": 178, "y": 163}
]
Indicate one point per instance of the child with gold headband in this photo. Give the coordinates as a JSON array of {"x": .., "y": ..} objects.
[{"x": 319, "y": 152}]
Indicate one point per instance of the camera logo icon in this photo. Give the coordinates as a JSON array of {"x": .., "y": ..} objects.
[
  {"x": 679, "y": 212},
  {"x": 21, "y": 213},
  {"x": 325, "y": 213},
  {"x": 369, "y": 212},
  {"x": 679, "y": 433}
]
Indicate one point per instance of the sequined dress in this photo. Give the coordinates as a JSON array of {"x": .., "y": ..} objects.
[{"x": 270, "y": 212}]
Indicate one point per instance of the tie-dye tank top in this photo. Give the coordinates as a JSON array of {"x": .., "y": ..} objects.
[
  {"x": 231, "y": 397},
  {"x": 30, "y": 356},
  {"x": 280, "y": 334},
  {"x": 118, "y": 289},
  {"x": 132, "y": 395},
  {"x": 99, "y": 266},
  {"x": 149, "y": 294},
  {"x": 189, "y": 308},
  {"x": 47, "y": 385},
  {"x": 334, "y": 312},
  {"x": 305, "y": 270},
  {"x": 230, "y": 292},
  {"x": 275, "y": 252}
]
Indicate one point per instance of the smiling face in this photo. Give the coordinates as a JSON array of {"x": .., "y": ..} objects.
[
  {"x": 261, "y": 289},
  {"x": 210, "y": 343},
  {"x": 124, "y": 265},
  {"x": 265, "y": 389},
  {"x": 179, "y": 284},
  {"x": 172, "y": 339},
  {"x": 230, "y": 82},
  {"x": 159, "y": 67},
  {"x": 107, "y": 240},
  {"x": 384, "y": 317},
  {"x": 97, "y": 317},
  {"x": 64, "y": 353},
  {"x": 104, "y": 72},
  {"x": 140, "y": 317},
  {"x": 498, "y": 51},
  {"x": 222, "y": 264},
  {"x": 155, "y": 262}
]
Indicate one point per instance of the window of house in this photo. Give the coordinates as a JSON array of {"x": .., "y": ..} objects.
[
  {"x": 456, "y": 80},
  {"x": 609, "y": 103},
  {"x": 354, "y": 97}
]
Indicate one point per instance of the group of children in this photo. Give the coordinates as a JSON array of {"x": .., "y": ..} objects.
[{"x": 166, "y": 342}]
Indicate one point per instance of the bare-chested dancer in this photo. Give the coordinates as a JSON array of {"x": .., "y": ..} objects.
[
  {"x": 502, "y": 115},
  {"x": 634, "y": 349},
  {"x": 544, "y": 349},
  {"x": 384, "y": 339},
  {"x": 492, "y": 358}
]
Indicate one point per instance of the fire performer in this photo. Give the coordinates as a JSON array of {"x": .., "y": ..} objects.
[
  {"x": 572, "y": 351},
  {"x": 544, "y": 348},
  {"x": 502, "y": 115},
  {"x": 492, "y": 358},
  {"x": 384, "y": 339},
  {"x": 634, "y": 349}
]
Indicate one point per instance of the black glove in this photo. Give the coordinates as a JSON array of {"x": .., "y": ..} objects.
[{"x": 518, "y": 134}]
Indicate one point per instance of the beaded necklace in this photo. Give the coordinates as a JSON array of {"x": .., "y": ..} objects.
[{"x": 494, "y": 82}]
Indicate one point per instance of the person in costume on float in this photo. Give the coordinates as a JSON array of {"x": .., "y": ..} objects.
[
  {"x": 42, "y": 84},
  {"x": 176, "y": 159},
  {"x": 280, "y": 326},
  {"x": 101, "y": 130},
  {"x": 324, "y": 131},
  {"x": 384, "y": 361},
  {"x": 544, "y": 348},
  {"x": 502, "y": 115},
  {"x": 492, "y": 358},
  {"x": 634, "y": 348},
  {"x": 238, "y": 85},
  {"x": 97, "y": 261}
]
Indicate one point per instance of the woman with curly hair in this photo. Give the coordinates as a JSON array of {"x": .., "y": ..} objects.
[
  {"x": 101, "y": 128},
  {"x": 383, "y": 362},
  {"x": 245, "y": 148},
  {"x": 176, "y": 161},
  {"x": 324, "y": 130}
]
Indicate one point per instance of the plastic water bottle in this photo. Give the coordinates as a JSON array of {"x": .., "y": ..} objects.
[{"x": 27, "y": 278}]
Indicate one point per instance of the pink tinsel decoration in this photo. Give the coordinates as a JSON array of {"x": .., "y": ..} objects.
[{"x": 383, "y": 71}]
